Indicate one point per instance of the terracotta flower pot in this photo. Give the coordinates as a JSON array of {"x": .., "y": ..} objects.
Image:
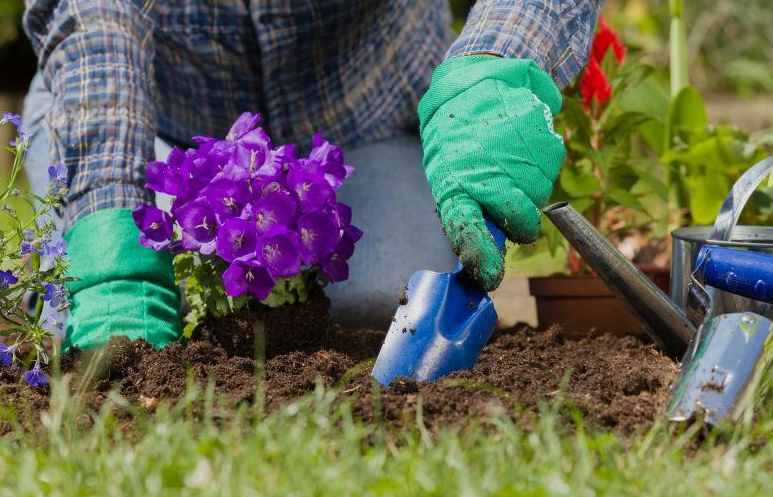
[{"x": 584, "y": 304}]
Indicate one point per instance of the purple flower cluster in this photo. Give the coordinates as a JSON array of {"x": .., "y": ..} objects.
[
  {"x": 44, "y": 247},
  {"x": 35, "y": 376},
  {"x": 258, "y": 207},
  {"x": 10, "y": 117},
  {"x": 7, "y": 278},
  {"x": 7, "y": 354}
]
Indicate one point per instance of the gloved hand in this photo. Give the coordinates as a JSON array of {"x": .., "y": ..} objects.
[
  {"x": 123, "y": 288},
  {"x": 489, "y": 145}
]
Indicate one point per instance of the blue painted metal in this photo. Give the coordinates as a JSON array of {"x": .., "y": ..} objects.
[
  {"x": 742, "y": 272},
  {"x": 442, "y": 327}
]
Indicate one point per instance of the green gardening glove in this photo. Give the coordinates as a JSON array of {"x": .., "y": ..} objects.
[
  {"x": 122, "y": 288},
  {"x": 489, "y": 146}
]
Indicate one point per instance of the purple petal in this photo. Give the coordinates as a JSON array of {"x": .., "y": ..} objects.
[
  {"x": 155, "y": 225},
  {"x": 257, "y": 139},
  {"x": 343, "y": 214},
  {"x": 58, "y": 175},
  {"x": 319, "y": 235},
  {"x": 249, "y": 160},
  {"x": 10, "y": 117},
  {"x": 248, "y": 277},
  {"x": 335, "y": 268},
  {"x": 203, "y": 169},
  {"x": 236, "y": 238},
  {"x": 353, "y": 232},
  {"x": 312, "y": 191},
  {"x": 235, "y": 171},
  {"x": 329, "y": 156},
  {"x": 274, "y": 209},
  {"x": 279, "y": 251},
  {"x": 7, "y": 278},
  {"x": 161, "y": 178},
  {"x": 145, "y": 241},
  {"x": 190, "y": 243},
  {"x": 198, "y": 220},
  {"x": 345, "y": 247},
  {"x": 227, "y": 198},
  {"x": 204, "y": 139},
  {"x": 36, "y": 377},
  {"x": 244, "y": 123},
  {"x": 6, "y": 354}
]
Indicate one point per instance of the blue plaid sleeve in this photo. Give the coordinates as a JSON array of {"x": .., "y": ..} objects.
[
  {"x": 556, "y": 34},
  {"x": 96, "y": 58}
]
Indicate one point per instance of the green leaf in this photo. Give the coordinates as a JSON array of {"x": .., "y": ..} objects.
[
  {"x": 183, "y": 266},
  {"x": 602, "y": 158},
  {"x": 622, "y": 126},
  {"x": 290, "y": 290},
  {"x": 624, "y": 198},
  {"x": 707, "y": 192},
  {"x": 574, "y": 117},
  {"x": 578, "y": 178},
  {"x": 686, "y": 113},
  {"x": 553, "y": 237}
]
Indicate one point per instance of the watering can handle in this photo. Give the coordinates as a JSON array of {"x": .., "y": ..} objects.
[
  {"x": 742, "y": 272},
  {"x": 736, "y": 200}
]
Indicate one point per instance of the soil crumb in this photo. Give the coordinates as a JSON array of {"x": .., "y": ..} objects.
[
  {"x": 403, "y": 298},
  {"x": 618, "y": 383}
]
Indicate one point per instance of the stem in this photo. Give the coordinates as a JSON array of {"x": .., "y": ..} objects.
[
  {"x": 677, "y": 48},
  {"x": 18, "y": 160},
  {"x": 35, "y": 262}
]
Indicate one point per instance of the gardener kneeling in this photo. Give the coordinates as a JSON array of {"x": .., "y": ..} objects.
[{"x": 115, "y": 76}]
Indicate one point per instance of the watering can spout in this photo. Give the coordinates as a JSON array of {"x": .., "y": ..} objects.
[{"x": 668, "y": 326}]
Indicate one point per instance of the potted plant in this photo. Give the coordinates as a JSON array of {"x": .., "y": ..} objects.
[
  {"x": 608, "y": 178},
  {"x": 638, "y": 165},
  {"x": 252, "y": 225}
]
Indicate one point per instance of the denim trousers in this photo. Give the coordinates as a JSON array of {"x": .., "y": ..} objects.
[{"x": 391, "y": 203}]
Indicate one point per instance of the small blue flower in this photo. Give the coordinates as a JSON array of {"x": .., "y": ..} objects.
[
  {"x": 52, "y": 323},
  {"x": 57, "y": 249},
  {"x": 7, "y": 354},
  {"x": 10, "y": 117},
  {"x": 21, "y": 141},
  {"x": 58, "y": 175},
  {"x": 36, "y": 377},
  {"x": 28, "y": 248},
  {"x": 7, "y": 278},
  {"x": 55, "y": 295}
]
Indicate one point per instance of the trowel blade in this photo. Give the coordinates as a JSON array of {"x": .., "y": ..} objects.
[{"x": 441, "y": 326}]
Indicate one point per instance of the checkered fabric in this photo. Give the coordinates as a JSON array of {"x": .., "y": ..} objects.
[{"x": 123, "y": 71}]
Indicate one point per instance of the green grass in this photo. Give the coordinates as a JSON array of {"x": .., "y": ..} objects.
[{"x": 313, "y": 447}]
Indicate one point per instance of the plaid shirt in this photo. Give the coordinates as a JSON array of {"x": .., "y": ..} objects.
[{"x": 123, "y": 71}]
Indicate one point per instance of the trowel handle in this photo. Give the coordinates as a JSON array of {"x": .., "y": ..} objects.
[
  {"x": 742, "y": 272},
  {"x": 498, "y": 234}
]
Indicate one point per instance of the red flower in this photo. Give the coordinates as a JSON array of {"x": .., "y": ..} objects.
[
  {"x": 594, "y": 84},
  {"x": 605, "y": 38}
]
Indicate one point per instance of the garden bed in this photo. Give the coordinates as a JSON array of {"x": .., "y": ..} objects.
[{"x": 617, "y": 383}]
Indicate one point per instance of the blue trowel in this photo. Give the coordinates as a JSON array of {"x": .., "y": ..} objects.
[{"x": 441, "y": 325}]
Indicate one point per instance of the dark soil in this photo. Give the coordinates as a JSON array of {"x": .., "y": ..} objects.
[{"x": 617, "y": 383}]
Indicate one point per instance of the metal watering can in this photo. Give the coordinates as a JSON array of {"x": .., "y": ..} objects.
[{"x": 719, "y": 316}]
